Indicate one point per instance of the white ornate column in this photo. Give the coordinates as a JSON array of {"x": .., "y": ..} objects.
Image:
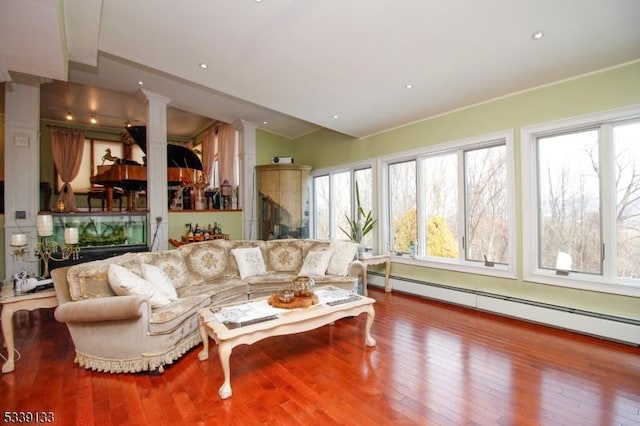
[
  {"x": 21, "y": 165},
  {"x": 157, "y": 189},
  {"x": 246, "y": 133}
]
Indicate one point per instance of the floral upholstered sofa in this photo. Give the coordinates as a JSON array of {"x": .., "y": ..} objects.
[{"x": 138, "y": 311}]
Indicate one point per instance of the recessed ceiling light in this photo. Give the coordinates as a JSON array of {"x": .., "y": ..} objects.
[
  {"x": 204, "y": 66},
  {"x": 335, "y": 116},
  {"x": 537, "y": 35},
  {"x": 408, "y": 86},
  {"x": 264, "y": 122},
  {"x": 140, "y": 82}
]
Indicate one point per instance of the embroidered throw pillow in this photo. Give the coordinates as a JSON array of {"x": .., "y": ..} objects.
[
  {"x": 343, "y": 254},
  {"x": 123, "y": 282},
  {"x": 315, "y": 263},
  {"x": 250, "y": 261},
  {"x": 159, "y": 280}
]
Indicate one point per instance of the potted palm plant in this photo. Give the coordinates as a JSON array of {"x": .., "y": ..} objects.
[{"x": 360, "y": 226}]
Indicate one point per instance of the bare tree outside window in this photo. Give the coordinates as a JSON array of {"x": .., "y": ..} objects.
[
  {"x": 334, "y": 198},
  {"x": 627, "y": 176},
  {"x": 341, "y": 201},
  {"x": 402, "y": 208},
  {"x": 321, "y": 201},
  {"x": 364, "y": 181},
  {"x": 487, "y": 236},
  {"x": 569, "y": 194},
  {"x": 441, "y": 204}
]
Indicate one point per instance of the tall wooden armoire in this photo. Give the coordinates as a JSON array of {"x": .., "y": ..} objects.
[{"x": 283, "y": 201}]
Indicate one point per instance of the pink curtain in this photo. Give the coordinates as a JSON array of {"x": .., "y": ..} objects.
[
  {"x": 209, "y": 153},
  {"x": 67, "y": 146},
  {"x": 227, "y": 153}
]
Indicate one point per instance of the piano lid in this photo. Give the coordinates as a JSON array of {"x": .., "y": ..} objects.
[{"x": 177, "y": 156}]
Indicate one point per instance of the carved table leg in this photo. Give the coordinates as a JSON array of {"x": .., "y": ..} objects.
[
  {"x": 371, "y": 314},
  {"x": 203, "y": 355},
  {"x": 7, "y": 332},
  {"x": 365, "y": 291},
  {"x": 387, "y": 284},
  {"x": 224, "y": 352}
]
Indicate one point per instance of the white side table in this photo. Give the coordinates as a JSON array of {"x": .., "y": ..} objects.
[
  {"x": 376, "y": 259},
  {"x": 12, "y": 303}
]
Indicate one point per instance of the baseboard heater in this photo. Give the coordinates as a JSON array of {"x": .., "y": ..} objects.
[{"x": 624, "y": 330}]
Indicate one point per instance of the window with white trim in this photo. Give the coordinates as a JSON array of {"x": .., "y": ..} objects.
[
  {"x": 334, "y": 200},
  {"x": 581, "y": 191},
  {"x": 452, "y": 206}
]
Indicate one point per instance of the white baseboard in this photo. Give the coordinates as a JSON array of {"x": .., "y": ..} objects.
[{"x": 605, "y": 326}]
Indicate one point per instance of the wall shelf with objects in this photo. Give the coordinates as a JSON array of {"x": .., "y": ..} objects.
[{"x": 196, "y": 234}]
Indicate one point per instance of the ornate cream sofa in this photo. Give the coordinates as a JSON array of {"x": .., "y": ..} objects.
[{"x": 132, "y": 332}]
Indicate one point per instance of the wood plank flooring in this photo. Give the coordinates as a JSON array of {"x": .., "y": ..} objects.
[{"x": 434, "y": 364}]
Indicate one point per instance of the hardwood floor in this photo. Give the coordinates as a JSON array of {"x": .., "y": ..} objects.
[{"x": 433, "y": 364}]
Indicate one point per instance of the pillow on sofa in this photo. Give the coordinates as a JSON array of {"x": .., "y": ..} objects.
[
  {"x": 250, "y": 261},
  {"x": 343, "y": 254},
  {"x": 316, "y": 263},
  {"x": 124, "y": 282},
  {"x": 158, "y": 279}
]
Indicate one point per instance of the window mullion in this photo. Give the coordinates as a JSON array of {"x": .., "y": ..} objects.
[
  {"x": 608, "y": 199},
  {"x": 421, "y": 214},
  {"x": 352, "y": 195},
  {"x": 333, "y": 227},
  {"x": 462, "y": 209}
]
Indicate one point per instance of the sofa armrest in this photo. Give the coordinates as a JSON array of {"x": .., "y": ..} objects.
[
  {"x": 102, "y": 309},
  {"x": 356, "y": 269}
]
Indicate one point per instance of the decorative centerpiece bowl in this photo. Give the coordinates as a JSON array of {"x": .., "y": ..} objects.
[
  {"x": 303, "y": 286},
  {"x": 286, "y": 296}
]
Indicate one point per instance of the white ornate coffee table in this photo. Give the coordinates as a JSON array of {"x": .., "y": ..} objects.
[{"x": 249, "y": 322}]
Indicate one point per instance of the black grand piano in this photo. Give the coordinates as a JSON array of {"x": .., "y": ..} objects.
[{"x": 183, "y": 165}]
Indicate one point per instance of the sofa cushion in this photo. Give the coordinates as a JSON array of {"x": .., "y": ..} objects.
[
  {"x": 283, "y": 255},
  {"x": 343, "y": 254},
  {"x": 223, "y": 290},
  {"x": 316, "y": 263},
  {"x": 250, "y": 261},
  {"x": 232, "y": 265},
  {"x": 172, "y": 263},
  {"x": 205, "y": 261},
  {"x": 283, "y": 279},
  {"x": 265, "y": 285},
  {"x": 167, "y": 318},
  {"x": 159, "y": 280},
  {"x": 123, "y": 282},
  {"x": 313, "y": 245},
  {"x": 89, "y": 280}
]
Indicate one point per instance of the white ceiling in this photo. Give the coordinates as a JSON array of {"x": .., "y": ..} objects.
[{"x": 297, "y": 64}]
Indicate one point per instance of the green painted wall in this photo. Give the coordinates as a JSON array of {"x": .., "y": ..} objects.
[
  {"x": 269, "y": 145},
  {"x": 596, "y": 92},
  {"x": 601, "y": 91}
]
